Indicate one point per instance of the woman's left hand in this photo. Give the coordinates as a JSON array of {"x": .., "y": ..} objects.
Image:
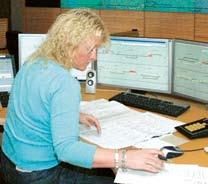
[{"x": 90, "y": 120}]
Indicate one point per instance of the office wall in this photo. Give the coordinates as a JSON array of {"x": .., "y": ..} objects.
[
  {"x": 169, "y": 25},
  {"x": 201, "y": 27},
  {"x": 38, "y": 20},
  {"x": 188, "y": 26},
  {"x": 5, "y": 10},
  {"x": 17, "y": 15}
]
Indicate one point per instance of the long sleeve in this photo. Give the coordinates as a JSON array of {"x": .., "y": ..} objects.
[
  {"x": 65, "y": 125},
  {"x": 42, "y": 123}
]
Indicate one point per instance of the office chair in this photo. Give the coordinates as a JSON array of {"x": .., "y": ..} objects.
[{"x": 1, "y": 180}]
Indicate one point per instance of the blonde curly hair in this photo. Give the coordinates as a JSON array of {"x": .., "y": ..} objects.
[{"x": 67, "y": 32}]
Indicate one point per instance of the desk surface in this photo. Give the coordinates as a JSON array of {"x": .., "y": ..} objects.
[{"x": 196, "y": 111}]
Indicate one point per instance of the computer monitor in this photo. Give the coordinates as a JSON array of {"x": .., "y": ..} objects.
[
  {"x": 190, "y": 70},
  {"x": 28, "y": 43},
  {"x": 7, "y": 73},
  {"x": 136, "y": 63}
]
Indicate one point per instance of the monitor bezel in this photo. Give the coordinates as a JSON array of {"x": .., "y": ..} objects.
[
  {"x": 169, "y": 91},
  {"x": 20, "y": 44},
  {"x": 178, "y": 94}
]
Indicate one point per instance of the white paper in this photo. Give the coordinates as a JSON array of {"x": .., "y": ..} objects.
[
  {"x": 122, "y": 126},
  {"x": 171, "y": 174},
  {"x": 156, "y": 143}
]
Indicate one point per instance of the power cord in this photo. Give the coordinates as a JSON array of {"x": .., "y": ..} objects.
[{"x": 191, "y": 150}]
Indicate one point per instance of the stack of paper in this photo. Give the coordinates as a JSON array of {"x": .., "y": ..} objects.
[
  {"x": 171, "y": 174},
  {"x": 121, "y": 126}
]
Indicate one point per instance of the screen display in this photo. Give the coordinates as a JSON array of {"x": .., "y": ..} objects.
[
  {"x": 136, "y": 63},
  {"x": 190, "y": 76},
  {"x": 7, "y": 72},
  {"x": 28, "y": 43}
]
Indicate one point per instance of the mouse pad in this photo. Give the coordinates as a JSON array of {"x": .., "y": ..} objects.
[{"x": 172, "y": 139}]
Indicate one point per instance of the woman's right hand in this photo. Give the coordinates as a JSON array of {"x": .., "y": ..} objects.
[{"x": 144, "y": 159}]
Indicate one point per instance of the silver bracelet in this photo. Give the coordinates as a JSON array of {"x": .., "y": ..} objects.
[
  {"x": 124, "y": 161},
  {"x": 116, "y": 158}
]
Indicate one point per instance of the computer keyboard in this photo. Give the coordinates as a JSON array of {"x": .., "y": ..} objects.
[
  {"x": 4, "y": 98},
  {"x": 150, "y": 104}
]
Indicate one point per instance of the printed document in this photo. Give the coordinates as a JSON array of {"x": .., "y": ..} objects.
[
  {"x": 122, "y": 126},
  {"x": 171, "y": 174}
]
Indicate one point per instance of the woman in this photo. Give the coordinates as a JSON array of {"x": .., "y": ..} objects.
[{"x": 42, "y": 123}]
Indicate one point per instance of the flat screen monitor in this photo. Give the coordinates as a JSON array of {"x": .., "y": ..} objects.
[
  {"x": 7, "y": 73},
  {"x": 136, "y": 63},
  {"x": 28, "y": 43},
  {"x": 190, "y": 70}
]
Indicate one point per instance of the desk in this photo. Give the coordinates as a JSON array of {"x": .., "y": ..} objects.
[
  {"x": 196, "y": 111},
  {"x": 3, "y": 51}
]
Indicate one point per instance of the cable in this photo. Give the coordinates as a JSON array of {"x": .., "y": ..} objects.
[{"x": 197, "y": 149}]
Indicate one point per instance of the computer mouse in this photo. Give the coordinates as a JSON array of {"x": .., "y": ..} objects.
[{"x": 170, "y": 152}]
